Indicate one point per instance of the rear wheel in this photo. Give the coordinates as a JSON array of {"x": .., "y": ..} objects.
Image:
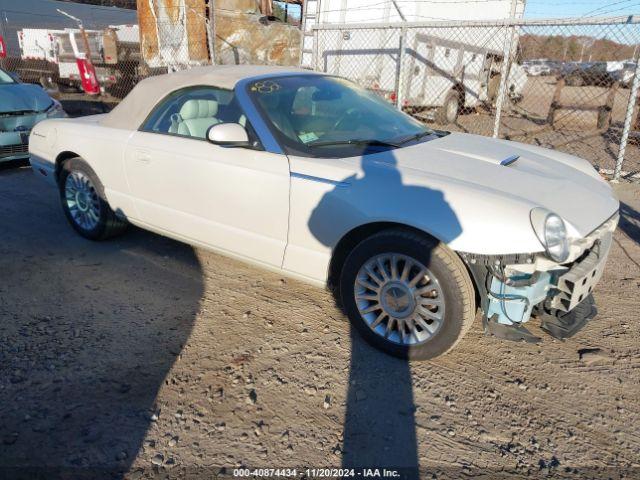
[
  {"x": 407, "y": 294},
  {"x": 84, "y": 202},
  {"x": 448, "y": 112},
  {"x": 575, "y": 81}
]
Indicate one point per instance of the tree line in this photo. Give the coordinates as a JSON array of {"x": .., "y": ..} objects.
[{"x": 573, "y": 48}]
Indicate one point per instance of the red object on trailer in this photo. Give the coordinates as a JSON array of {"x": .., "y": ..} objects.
[
  {"x": 88, "y": 76},
  {"x": 3, "y": 48}
]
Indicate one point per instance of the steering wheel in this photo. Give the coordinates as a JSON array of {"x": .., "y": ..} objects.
[{"x": 349, "y": 116}]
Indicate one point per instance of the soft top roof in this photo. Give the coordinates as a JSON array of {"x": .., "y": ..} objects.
[{"x": 135, "y": 107}]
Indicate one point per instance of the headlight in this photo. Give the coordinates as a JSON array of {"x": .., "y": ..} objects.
[
  {"x": 552, "y": 233},
  {"x": 56, "y": 110},
  {"x": 555, "y": 235}
]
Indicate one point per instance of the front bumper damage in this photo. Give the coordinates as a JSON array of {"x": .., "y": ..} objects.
[
  {"x": 514, "y": 288},
  {"x": 14, "y": 145}
]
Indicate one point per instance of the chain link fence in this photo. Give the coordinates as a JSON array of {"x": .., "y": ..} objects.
[
  {"x": 569, "y": 85},
  {"x": 84, "y": 64},
  {"x": 77, "y": 63}
]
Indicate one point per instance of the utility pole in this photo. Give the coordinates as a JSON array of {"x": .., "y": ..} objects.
[
  {"x": 83, "y": 32},
  {"x": 89, "y": 74}
]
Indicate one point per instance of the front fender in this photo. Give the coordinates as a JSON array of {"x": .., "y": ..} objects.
[{"x": 330, "y": 203}]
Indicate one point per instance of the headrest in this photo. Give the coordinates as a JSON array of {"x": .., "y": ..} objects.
[{"x": 199, "y": 109}]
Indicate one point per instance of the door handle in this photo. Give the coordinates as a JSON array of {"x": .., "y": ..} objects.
[{"x": 143, "y": 157}]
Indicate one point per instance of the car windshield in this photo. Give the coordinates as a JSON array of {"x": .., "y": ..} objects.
[
  {"x": 324, "y": 116},
  {"x": 5, "y": 78}
]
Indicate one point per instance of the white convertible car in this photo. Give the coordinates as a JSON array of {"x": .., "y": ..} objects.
[{"x": 312, "y": 176}]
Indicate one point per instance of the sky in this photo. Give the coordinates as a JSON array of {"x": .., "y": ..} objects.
[{"x": 579, "y": 8}]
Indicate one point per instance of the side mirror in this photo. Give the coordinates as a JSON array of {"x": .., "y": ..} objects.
[
  {"x": 228, "y": 135},
  {"x": 15, "y": 77}
]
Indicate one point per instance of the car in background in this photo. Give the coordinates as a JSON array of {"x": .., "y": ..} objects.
[
  {"x": 596, "y": 74},
  {"x": 624, "y": 74},
  {"x": 22, "y": 105},
  {"x": 536, "y": 68}
]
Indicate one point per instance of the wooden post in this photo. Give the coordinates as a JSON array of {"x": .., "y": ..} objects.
[
  {"x": 635, "y": 122},
  {"x": 605, "y": 111},
  {"x": 85, "y": 40},
  {"x": 555, "y": 101}
]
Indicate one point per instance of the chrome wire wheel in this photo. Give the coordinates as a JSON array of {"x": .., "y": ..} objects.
[
  {"x": 82, "y": 200},
  {"x": 399, "y": 299}
]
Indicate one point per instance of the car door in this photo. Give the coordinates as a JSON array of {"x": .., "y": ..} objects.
[{"x": 232, "y": 199}]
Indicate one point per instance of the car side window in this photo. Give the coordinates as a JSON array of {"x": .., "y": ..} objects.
[{"x": 191, "y": 111}]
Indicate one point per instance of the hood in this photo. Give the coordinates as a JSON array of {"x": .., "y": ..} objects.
[
  {"x": 19, "y": 97},
  {"x": 561, "y": 183}
]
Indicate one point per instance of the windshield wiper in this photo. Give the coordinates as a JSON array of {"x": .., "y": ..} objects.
[
  {"x": 416, "y": 136},
  {"x": 353, "y": 142}
]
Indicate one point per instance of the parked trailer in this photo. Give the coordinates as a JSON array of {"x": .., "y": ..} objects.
[
  {"x": 38, "y": 56},
  {"x": 443, "y": 70},
  {"x": 50, "y": 56},
  {"x": 452, "y": 74},
  {"x": 43, "y": 15},
  {"x": 47, "y": 55}
]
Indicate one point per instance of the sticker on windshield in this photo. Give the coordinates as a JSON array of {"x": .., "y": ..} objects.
[
  {"x": 307, "y": 137},
  {"x": 265, "y": 86}
]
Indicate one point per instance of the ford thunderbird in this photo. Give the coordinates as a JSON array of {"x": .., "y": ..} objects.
[{"x": 314, "y": 177}]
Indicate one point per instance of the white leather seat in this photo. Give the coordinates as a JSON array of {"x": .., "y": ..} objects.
[{"x": 195, "y": 118}]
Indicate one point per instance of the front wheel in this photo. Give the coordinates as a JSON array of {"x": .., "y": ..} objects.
[
  {"x": 407, "y": 294},
  {"x": 85, "y": 204}
]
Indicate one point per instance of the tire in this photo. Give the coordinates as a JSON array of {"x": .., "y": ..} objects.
[
  {"x": 449, "y": 111},
  {"x": 575, "y": 81},
  {"x": 447, "y": 276},
  {"x": 493, "y": 88},
  {"x": 84, "y": 202}
]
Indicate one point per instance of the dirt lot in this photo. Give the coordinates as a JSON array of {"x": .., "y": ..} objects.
[{"x": 142, "y": 357}]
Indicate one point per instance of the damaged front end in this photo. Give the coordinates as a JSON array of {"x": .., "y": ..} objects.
[{"x": 513, "y": 288}]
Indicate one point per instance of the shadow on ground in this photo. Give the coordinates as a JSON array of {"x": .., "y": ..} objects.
[
  {"x": 630, "y": 221},
  {"x": 379, "y": 426},
  {"x": 83, "y": 360}
]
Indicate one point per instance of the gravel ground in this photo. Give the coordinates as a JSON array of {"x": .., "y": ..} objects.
[{"x": 142, "y": 357}]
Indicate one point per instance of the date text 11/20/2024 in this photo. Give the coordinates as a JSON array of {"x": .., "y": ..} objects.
[{"x": 316, "y": 472}]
